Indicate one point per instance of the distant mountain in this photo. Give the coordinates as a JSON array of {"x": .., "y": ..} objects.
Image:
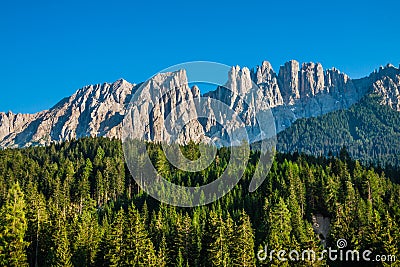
[
  {"x": 369, "y": 131},
  {"x": 296, "y": 91}
]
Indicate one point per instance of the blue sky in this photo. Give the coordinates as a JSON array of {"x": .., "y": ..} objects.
[{"x": 48, "y": 49}]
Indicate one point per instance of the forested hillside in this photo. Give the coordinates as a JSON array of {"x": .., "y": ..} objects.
[
  {"x": 369, "y": 131},
  {"x": 75, "y": 204}
]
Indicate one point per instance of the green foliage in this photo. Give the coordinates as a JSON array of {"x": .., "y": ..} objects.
[
  {"x": 75, "y": 204},
  {"x": 13, "y": 225},
  {"x": 369, "y": 131},
  {"x": 218, "y": 241},
  {"x": 243, "y": 243},
  {"x": 61, "y": 252},
  {"x": 137, "y": 248},
  {"x": 114, "y": 241}
]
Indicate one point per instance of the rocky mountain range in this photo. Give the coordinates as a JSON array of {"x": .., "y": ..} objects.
[
  {"x": 94, "y": 110},
  {"x": 295, "y": 91}
]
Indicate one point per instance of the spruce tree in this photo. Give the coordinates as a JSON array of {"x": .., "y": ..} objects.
[
  {"x": 279, "y": 230},
  {"x": 114, "y": 241},
  {"x": 138, "y": 250},
  {"x": 86, "y": 238},
  {"x": 162, "y": 257},
  {"x": 185, "y": 240},
  {"x": 180, "y": 262},
  {"x": 13, "y": 225},
  {"x": 37, "y": 217},
  {"x": 218, "y": 242},
  {"x": 61, "y": 253},
  {"x": 243, "y": 245}
]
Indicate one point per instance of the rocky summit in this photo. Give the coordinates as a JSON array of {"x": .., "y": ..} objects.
[
  {"x": 295, "y": 91},
  {"x": 94, "y": 110}
]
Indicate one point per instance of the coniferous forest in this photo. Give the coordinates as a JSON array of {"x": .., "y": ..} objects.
[
  {"x": 76, "y": 204},
  {"x": 370, "y": 131}
]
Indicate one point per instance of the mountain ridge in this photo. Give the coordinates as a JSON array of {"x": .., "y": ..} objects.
[{"x": 296, "y": 91}]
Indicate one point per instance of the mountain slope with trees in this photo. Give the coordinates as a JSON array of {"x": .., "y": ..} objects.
[{"x": 369, "y": 131}]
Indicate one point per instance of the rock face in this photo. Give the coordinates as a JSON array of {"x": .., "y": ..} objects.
[
  {"x": 289, "y": 81},
  {"x": 166, "y": 98},
  {"x": 95, "y": 110},
  {"x": 297, "y": 91},
  {"x": 388, "y": 87},
  {"x": 310, "y": 91}
]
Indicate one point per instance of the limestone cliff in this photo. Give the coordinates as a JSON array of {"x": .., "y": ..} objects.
[{"x": 296, "y": 91}]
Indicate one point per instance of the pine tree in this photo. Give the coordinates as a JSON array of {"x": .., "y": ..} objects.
[
  {"x": 104, "y": 230},
  {"x": 13, "y": 225},
  {"x": 83, "y": 184},
  {"x": 37, "y": 221},
  {"x": 145, "y": 215},
  {"x": 86, "y": 238},
  {"x": 100, "y": 189},
  {"x": 114, "y": 241},
  {"x": 157, "y": 227},
  {"x": 180, "y": 262},
  {"x": 312, "y": 243},
  {"x": 391, "y": 237},
  {"x": 138, "y": 249},
  {"x": 243, "y": 245},
  {"x": 162, "y": 164},
  {"x": 331, "y": 194},
  {"x": 296, "y": 216},
  {"x": 162, "y": 257},
  {"x": 279, "y": 230},
  {"x": 218, "y": 242},
  {"x": 61, "y": 253},
  {"x": 185, "y": 240}
]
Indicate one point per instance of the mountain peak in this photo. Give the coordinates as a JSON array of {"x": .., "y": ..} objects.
[{"x": 296, "y": 91}]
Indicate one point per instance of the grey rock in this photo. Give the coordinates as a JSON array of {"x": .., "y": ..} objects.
[
  {"x": 295, "y": 92},
  {"x": 389, "y": 90},
  {"x": 289, "y": 81},
  {"x": 95, "y": 110},
  {"x": 166, "y": 99}
]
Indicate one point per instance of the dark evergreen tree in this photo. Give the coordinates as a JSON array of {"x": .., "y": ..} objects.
[
  {"x": 243, "y": 243},
  {"x": 61, "y": 253},
  {"x": 13, "y": 225},
  {"x": 138, "y": 249},
  {"x": 114, "y": 241}
]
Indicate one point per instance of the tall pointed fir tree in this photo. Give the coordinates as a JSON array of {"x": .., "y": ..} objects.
[
  {"x": 86, "y": 238},
  {"x": 61, "y": 252},
  {"x": 217, "y": 241},
  {"x": 13, "y": 225},
  {"x": 243, "y": 245},
  {"x": 38, "y": 221},
  {"x": 162, "y": 257},
  {"x": 185, "y": 240},
  {"x": 113, "y": 240},
  {"x": 138, "y": 250},
  {"x": 279, "y": 230}
]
